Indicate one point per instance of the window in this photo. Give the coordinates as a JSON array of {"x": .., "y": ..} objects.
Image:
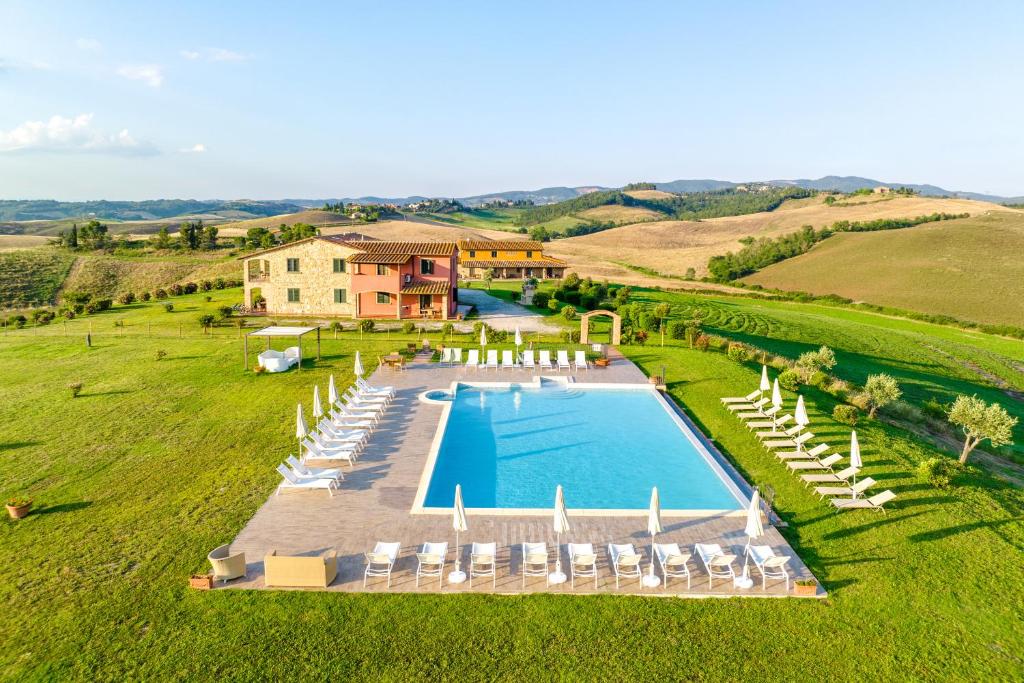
[
  {"x": 529, "y": 254},
  {"x": 293, "y": 294},
  {"x": 340, "y": 266},
  {"x": 426, "y": 301},
  {"x": 340, "y": 296},
  {"x": 472, "y": 254},
  {"x": 494, "y": 254},
  {"x": 293, "y": 265},
  {"x": 382, "y": 269},
  {"x": 383, "y": 297},
  {"x": 426, "y": 267}
]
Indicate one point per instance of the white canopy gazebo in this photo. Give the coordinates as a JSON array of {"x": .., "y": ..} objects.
[{"x": 283, "y": 331}]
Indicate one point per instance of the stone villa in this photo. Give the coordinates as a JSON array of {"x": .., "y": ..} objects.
[{"x": 509, "y": 259}]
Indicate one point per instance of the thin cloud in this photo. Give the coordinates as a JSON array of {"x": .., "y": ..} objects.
[
  {"x": 190, "y": 54},
  {"x": 197, "y": 148},
  {"x": 150, "y": 74},
  {"x": 88, "y": 44},
  {"x": 61, "y": 134},
  {"x": 215, "y": 54}
]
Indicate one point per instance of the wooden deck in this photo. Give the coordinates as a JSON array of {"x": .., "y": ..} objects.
[{"x": 377, "y": 495}]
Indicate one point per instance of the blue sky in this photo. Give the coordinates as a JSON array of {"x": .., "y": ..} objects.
[{"x": 263, "y": 100}]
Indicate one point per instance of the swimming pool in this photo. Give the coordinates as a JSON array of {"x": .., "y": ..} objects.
[{"x": 509, "y": 446}]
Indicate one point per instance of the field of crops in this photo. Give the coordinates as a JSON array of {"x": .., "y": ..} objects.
[{"x": 32, "y": 277}]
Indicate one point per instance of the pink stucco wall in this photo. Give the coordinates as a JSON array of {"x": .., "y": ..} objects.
[{"x": 366, "y": 283}]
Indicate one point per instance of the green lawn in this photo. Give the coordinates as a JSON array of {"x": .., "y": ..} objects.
[
  {"x": 159, "y": 461},
  {"x": 490, "y": 219}
]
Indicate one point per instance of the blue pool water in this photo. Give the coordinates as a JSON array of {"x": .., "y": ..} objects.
[{"x": 510, "y": 448}]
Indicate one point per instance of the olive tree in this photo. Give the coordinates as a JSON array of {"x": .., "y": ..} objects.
[
  {"x": 980, "y": 421},
  {"x": 881, "y": 390},
  {"x": 811, "y": 362}
]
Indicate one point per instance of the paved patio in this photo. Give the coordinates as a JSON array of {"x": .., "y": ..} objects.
[{"x": 377, "y": 495}]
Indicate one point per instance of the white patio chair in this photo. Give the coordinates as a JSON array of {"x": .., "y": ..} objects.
[
  {"x": 770, "y": 427},
  {"x": 370, "y": 389},
  {"x": 304, "y": 472},
  {"x": 545, "y": 359},
  {"x": 813, "y": 453},
  {"x": 446, "y": 356},
  {"x": 456, "y": 356},
  {"x": 673, "y": 561},
  {"x": 761, "y": 413},
  {"x": 770, "y": 565},
  {"x": 315, "y": 453},
  {"x": 507, "y": 360},
  {"x": 473, "y": 359},
  {"x": 625, "y": 562},
  {"x": 563, "y": 360},
  {"x": 535, "y": 561},
  {"x": 717, "y": 564},
  {"x": 492, "y": 359},
  {"x": 293, "y": 482},
  {"x": 430, "y": 562},
  {"x": 483, "y": 561},
  {"x": 528, "y": 360},
  {"x": 796, "y": 442},
  {"x": 329, "y": 444},
  {"x": 581, "y": 361},
  {"x": 348, "y": 420},
  {"x": 357, "y": 397},
  {"x": 380, "y": 561},
  {"x": 741, "y": 407},
  {"x": 582, "y": 562}
]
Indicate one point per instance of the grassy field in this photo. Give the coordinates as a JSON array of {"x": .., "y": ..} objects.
[
  {"x": 106, "y": 275},
  {"x": 488, "y": 219},
  {"x": 312, "y": 217},
  {"x": 160, "y": 460},
  {"x": 620, "y": 214},
  {"x": 970, "y": 269},
  {"x": 32, "y": 277}
]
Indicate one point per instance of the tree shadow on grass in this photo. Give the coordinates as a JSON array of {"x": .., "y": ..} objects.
[
  {"x": 14, "y": 445},
  {"x": 870, "y": 526},
  {"x": 940, "y": 534},
  {"x": 62, "y": 507},
  {"x": 112, "y": 392}
]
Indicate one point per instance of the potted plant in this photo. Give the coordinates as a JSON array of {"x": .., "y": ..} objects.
[
  {"x": 201, "y": 582},
  {"x": 18, "y": 507},
  {"x": 805, "y": 587}
]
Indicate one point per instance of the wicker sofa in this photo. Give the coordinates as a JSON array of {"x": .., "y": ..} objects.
[{"x": 279, "y": 361}]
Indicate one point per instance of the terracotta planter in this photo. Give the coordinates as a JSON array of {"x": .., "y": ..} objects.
[
  {"x": 201, "y": 582},
  {"x": 19, "y": 511},
  {"x": 805, "y": 590},
  {"x": 602, "y": 362},
  {"x": 654, "y": 379}
]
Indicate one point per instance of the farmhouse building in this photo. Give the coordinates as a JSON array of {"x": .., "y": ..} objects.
[{"x": 508, "y": 259}]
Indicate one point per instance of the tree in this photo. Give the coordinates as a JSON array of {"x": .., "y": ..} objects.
[
  {"x": 691, "y": 273},
  {"x": 540, "y": 234},
  {"x": 881, "y": 390},
  {"x": 209, "y": 237},
  {"x": 259, "y": 238},
  {"x": 488, "y": 277},
  {"x": 190, "y": 235},
  {"x": 73, "y": 237},
  {"x": 811, "y": 362},
  {"x": 162, "y": 239},
  {"x": 981, "y": 421}
]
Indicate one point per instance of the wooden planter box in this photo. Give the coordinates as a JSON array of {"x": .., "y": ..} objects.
[
  {"x": 805, "y": 590},
  {"x": 201, "y": 582}
]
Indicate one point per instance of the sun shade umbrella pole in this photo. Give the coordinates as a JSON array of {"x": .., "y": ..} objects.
[
  {"x": 855, "y": 460},
  {"x": 459, "y": 524},
  {"x": 753, "y": 530},
  {"x": 483, "y": 336},
  {"x": 519, "y": 342},
  {"x": 358, "y": 369},
  {"x": 318, "y": 409},
  {"x": 652, "y": 580},
  {"x": 776, "y": 403},
  {"x": 300, "y": 427},
  {"x": 332, "y": 392},
  {"x": 765, "y": 384},
  {"x": 561, "y": 526},
  {"x": 801, "y": 413}
]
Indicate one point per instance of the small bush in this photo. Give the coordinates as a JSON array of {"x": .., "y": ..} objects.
[
  {"x": 17, "y": 321},
  {"x": 571, "y": 296},
  {"x": 676, "y": 329},
  {"x": 224, "y": 312},
  {"x": 218, "y": 283},
  {"x": 939, "y": 471},
  {"x": 554, "y": 304},
  {"x": 817, "y": 379},
  {"x": 176, "y": 289},
  {"x": 104, "y": 304},
  {"x": 447, "y": 330},
  {"x": 408, "y": 327},
  {"x": 75, "y": 388},
  {"x": 206, "y": 285},
  {"x": 498, "y": 336},
  {"x": 568, "y": 312},
  {"x": 640, "y": 337},
  {"x": 126, "y": 298},
  {"x": 145, "y": 296},
  {"x": 589, "y": 301},
  {"x": 259, "y": 369},
  {"x": 702, "y": 342},
  {"x": 168, "y": 307},
  {"x": 208, "y": 299},
  {"x": 901, "y": 410},
  {"x": 570, "y": 336},
  {"x": 161, "y": 354},
  {"x": 366, "y": 326},
  {"x": 789, "y": 379},
  {"x": 540, "y": 299},
  {"x": 934, "y": 409},
  {"x": 845, "y": 414},
  {"x": 837, "y": 387},
  {"x": 160, "y": 294},
  {"x": 337, "y": 327},
  {"x": 206, "y": 321},
  {"x": 716, "y": 343},
  {"x": 190, "y": 288},
  {"x": 739, "y": 353},
  {"x": 92, "y": 307},
  {"x": 69, "y": 313}
]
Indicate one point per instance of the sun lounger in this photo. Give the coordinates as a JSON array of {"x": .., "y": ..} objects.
[
  {"x": 473, "y": 359},
  {"x": 492, "y": 359},
  {"x": 770, "y": 565},
  {"x": 823, "y": 464},
  {"x": 483, "y": 561},
  {"x": 802, "y": 455},
  {"x": 316, "y": 453},
  {"x": 580, "y": 361},
  {"x": 749, "y": 398},
  {"x": 582, "y": 563},
  {"x": 875, "y": 502},
  {"x": 829, "y": 477},
  {"x": 796, "y": 442},
  {"x": 356, "y": 397},
  {"x": 528, "y": 360},
  {"x": 367, "y": 388},
  {"x": 304, "y": 472},
  {"x": 759, "y": 413},
  {"x": 380, "y": 560},
  {"x": 773, "y": 431},
  {"x": 329, "y": 445},
  {"x": 507, "y": 360},
  {"x": 361, "y": 411},
  {"x": 535, "y": 561},
  {"x": 673, "y": 561},
  {"x": 334, "y": 434},
  {"x": 563, "y": 361},
  {"x": 545, "y": 360},
  {"x": 293, "y": 482},
  {"x": 852, "y": 491},
  {"x": 625, "y": 562},
  {"x": 430, "y": 562},
  {"x": 717, "y": 564},
  {"x": 756, "y": 405},
  {"x": 446, "y": 356}
]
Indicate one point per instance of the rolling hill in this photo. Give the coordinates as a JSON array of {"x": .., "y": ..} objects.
[
  {"x": 310, "y": 216},
  {"x": 969, "y": 269}
]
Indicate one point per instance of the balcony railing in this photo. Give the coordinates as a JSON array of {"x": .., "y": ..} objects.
[{"x": 259, "y": 277}]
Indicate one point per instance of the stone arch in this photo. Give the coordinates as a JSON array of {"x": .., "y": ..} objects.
[{"x": 616, "y": 325}]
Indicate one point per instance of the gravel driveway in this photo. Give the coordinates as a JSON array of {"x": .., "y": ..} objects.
[{"x": 502, "y": 315}]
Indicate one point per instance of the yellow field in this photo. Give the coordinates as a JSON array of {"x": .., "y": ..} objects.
[
  {"x": 649, "y": 194},
  {"x": 416, "y": 231},
  {"x": 620, "y": 214},
  {"x": 970, "y": 269},
  {"x": 312, "y": 217},
  {"x": 9, "y": 242}
]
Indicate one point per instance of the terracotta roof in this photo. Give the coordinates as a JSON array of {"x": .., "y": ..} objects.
[
  {"x": 407, "y": 248},
  {"x": 391, "y": 259},
  {"x": 506, "y": 245},
  {"x": 545, "y": 262},
  {"x": 425, "y": 287}
]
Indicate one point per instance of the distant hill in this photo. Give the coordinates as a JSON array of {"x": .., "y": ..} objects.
[{"x": 152, "y": 209}]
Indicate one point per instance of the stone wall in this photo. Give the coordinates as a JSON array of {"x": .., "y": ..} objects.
[{"x": 316, "y": 279}]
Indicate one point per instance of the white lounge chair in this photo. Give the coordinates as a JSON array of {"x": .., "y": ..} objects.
[
  {"x": 830, "y": 477},
  {"x": 430, "y": 562},
  {"x": 293, "y": 482},
  {"x": 473, "y": 359},
  {"x": 802, "y": 455},
  {"x": 625, "y": 562},
  {"x": 749, "y": 398},
  {"x": 674, "y": 562},
  {"x": 770, "y": 565},
  {"x": 771, "y": 425},
  {"x": 852, "y": 491},
  {"x": 361, "y": 411},
  {"x": 760, "y": 413},
  {"x": 380, "y": 560},
  {"x": 492, "y": 359},
  {"x": 582, "y": 562},
  {"x": 457, "y": 356},
  {"x": 823, "y": 464},
  {"x": 334, "y": 434},
  {"x": 775, "y": 433},
  {"x": 304, "y": 472},
  {"x": 563, "y": 360},
  {"x": 483, "y": 561},
  {"x": 528, "y": 360},
  {"x": 535, "y": 561},
  {"x": 316, "y": 453},
  {"x": 875, "y": 502},
  {"x": 349, "y": 420},
  {"x": 717, "y": 564},
  {"x": 796, "y": 442},
  {"x": 446, "y": 356},
  {"x": 367, "y": 388},
  {"x": 545, "y": 360},
  {"x": 580, "y": 361},
  {"x": 356, "y": 397},
  {"x": 507, "y": 360},
  {"x": 741, "y": 407},
  {"x": 330, "y": 445}
]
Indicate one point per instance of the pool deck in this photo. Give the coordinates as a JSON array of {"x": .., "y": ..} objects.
[{"x": 376, "y": 498}]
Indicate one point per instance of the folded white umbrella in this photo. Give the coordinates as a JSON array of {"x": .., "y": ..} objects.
[
  {"x": 519, "y": 337},
  {"x": 776, "y": 394},
  {"x": 318, "y": 410},
  {"x": 855, "y": 460},
  {"x": 765, "y": 384},
  {"x": 801, "y": 412},
  {"x": 459, "y": 524},
  {"x": 358, "y": 365},
  {"x": 653, "y": 527},
  {"x": 300, "y": 425},
  {"x": 332, "y": 392},
  {"x": 561, "y": 526},
  {"x": 483, "y": 336},
  {"x": 754, "y": 528}
]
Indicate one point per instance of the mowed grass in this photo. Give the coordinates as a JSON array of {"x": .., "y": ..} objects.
[
  {"x": 32, "y": 277},
  {"x": 159, "y": 461},
  {"x": 488, "y": 219},
  {"x": 620, "y": 214},
  {"x": 970, "y": 269}
]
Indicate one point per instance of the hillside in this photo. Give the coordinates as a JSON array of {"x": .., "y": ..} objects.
[
  {"x": 970, "y": 269},
  {"x": 32, "y": 277},
  {"x": 45, "y": 209},
  {"x": 621, "y": 214},
  {"x": 310, "y": 216},
  {"x": 416, "y": 230},
  {"x": 671, "y": 247}
]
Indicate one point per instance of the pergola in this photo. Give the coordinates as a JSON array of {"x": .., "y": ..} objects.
[{"x": 283, "y": 331}]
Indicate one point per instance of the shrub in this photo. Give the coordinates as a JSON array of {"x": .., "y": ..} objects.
[
  {"x": 571, "y": 281},
  {"x": 739, "y": 353},
  {"x": 716, "y": 343},
  {"x": 540, "y": 299},
  {"x": 817, "y": 379},
  {"x": 160, "y": 294},
  {"x": 554, "y": 304},
  {"x": 846, "y": 414},
  {"x": 175, "y": 289},
  {"x": 702, "y": 342},
  {"x": 789, "y": 379},
  {"x": 882, "y": 390},
  {"x": 168, "y": 307},
  {"x": 337, "y": 327},
  {"x": 939, "y": 471},
  {"x": 934, "y": 408},
  {"x": 190, "y": 288},
  {"x": 104, "y": 304},
  {"x": 570, "y": 336},
  {"x": 206, "y": 320},
  {"x": 208, "y": 299},
  {"x": 224, "y": 312},
  {"x": 498, "y": 336},
  {"x": 902, "y": 410},
  {"x": 408, "y": 327},
  {"x": 365, "y": 326},
  {"x": 77, "y": 297},
  {"x": 447, "y": 330},
  {"x": 837, "y": 387},
  {"x": 17, "y": 321},
  {"x": 206, "y": 285},
  {"x": 126, "y": 298},
  {"x": 218, "y": 283},
  {"x": 640, "y": 337},
  {"x": 161, "y": 354},
  {"x": 676, "y": 329},
  {"x": 75, "y": 388},
  {"x": 145, "y": 296},
  {"x": 92, "y": 307},
  {"x": 568, "y": 312},
  {"x": 79, "y": 309},
  {"x": 589, "y": 301},
  {"x": 515, "y": 296},
  {"x": 69, "y": 313},
  {"x": 571, "y": 296}
]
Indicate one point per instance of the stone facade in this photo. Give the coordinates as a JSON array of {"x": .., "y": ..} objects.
[{"x": 267, "y": 274}]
